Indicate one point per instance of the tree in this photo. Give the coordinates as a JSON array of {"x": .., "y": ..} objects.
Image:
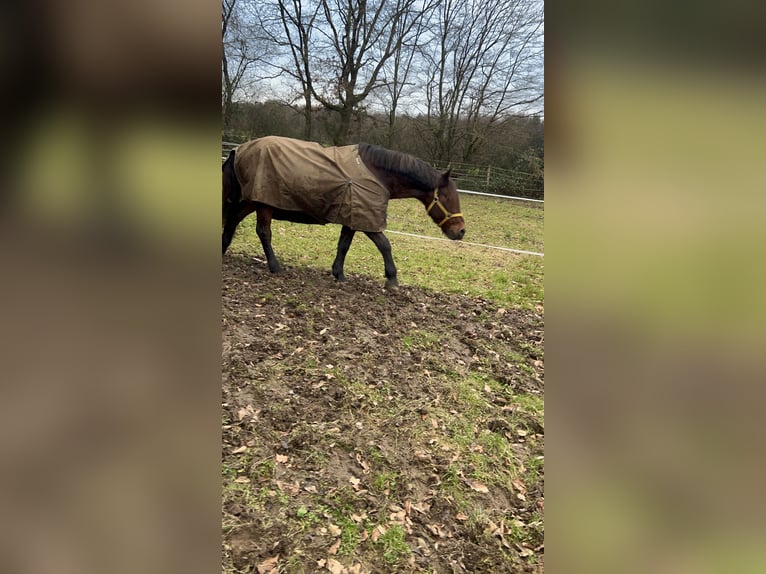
[
  {"x": 483, "y": 64},
  {"x": 297, "y": 21},
  {"x": 353, "y": 40},
  {"x": 243, "y": 47},
  {"x": 400, "y": 67}
]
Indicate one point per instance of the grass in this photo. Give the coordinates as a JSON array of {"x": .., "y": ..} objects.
[
  {"x": 508, "y": 278},
  {"x": 394, "y": 546},
  {"x": 462, "y": 433}
]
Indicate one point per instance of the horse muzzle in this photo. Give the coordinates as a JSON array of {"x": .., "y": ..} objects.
[{"x": 455, "y": 233}]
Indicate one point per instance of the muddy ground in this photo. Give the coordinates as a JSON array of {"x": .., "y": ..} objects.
[{"x": 375, "y": 431}]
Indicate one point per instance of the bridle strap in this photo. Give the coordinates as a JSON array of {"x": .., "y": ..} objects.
[{"x": 447, "y": 214}]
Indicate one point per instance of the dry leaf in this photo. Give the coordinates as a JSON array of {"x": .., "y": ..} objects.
[
  {"x": 281, "y": 458},
  {"x": 242, "y": 480},
  {"x": 422, "y": 507},
  {"x": 334, "y": 548},
  {"x": 379, "y": 531},
  {"x": 334, "y": 529},
  {"x": 437, "y": 530},
  {"x": 268, "y": 565},
  {"x": 287, "y": 487},
  {"x": 479, "y": 486},
  {"x": 461, "y": 516},
  {"x": 335, "y": 567},
  {"x": 354, "y": 482},
  {"x": 363, "y": 464},
  {"x": 247, "y": 411},
  {"x": 518, "y": 485},
  {"x": 239, "y": 450}
]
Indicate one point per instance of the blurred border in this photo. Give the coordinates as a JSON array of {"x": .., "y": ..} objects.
[
  {"x": 655, "y": 313},
  {"x": 110, "y": 339}
]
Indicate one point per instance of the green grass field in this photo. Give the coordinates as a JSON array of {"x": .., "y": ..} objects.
[{"x": 455, "y": 267}]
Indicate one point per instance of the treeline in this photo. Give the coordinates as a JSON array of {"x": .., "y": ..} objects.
[
  {"x": 447, "y": 80},
  {"x": 508, "y": 161}
]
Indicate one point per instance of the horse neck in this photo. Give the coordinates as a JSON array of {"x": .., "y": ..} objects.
[{"x": 400, "y": 186}]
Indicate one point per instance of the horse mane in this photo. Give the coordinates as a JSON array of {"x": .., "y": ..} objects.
[{"x": 418, "y": 172}]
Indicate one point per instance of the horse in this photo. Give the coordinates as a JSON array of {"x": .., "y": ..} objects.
[{"x": 303, "y": 182}]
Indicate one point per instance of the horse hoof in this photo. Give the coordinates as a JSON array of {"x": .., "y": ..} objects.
[{"x": 392, "y": 284}]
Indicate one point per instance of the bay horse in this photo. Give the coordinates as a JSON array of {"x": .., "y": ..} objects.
[{"x": 267, "y": 176}]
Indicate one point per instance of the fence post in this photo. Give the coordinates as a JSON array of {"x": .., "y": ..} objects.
[{"x": 486, "y": 185}]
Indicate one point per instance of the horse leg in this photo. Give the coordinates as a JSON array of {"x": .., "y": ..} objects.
[
  {"x": 263, "y": 229},
  {"x": 344, "y": 242},
  {"x": 233, "y": 216},
  {"x": 384, "y": 246}
]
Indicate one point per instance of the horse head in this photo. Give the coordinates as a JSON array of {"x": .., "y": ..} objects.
[{"x": 444, "y": 208}]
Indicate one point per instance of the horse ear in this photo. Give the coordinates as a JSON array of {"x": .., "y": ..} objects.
[{"x": 445, "y": 177}]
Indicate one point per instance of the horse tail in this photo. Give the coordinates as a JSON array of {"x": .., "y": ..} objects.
[{"x": 232, "y": 191}]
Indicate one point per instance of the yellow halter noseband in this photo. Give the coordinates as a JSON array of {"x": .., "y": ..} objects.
[{"x": 447, "y": 214}]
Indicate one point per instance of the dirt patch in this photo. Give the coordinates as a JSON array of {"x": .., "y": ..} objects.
[{"x": 374, "y": 431}]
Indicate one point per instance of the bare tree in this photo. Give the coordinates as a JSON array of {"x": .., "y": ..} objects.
[
  {"x": 355, "y": 39},
  {"x": 483, "y": 64},
  {"x": 243, "y": 48},
  {"x": 397, "y": 74},
  {"x": 297, "y": 22}
]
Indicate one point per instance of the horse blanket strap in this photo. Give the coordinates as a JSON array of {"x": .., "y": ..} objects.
[
  {"x": 447, "y": 214},
  {"x": 332, "y": 185}
]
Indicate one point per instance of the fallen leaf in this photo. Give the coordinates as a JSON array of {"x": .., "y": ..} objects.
[
  {"x": 334, "y": 548},
  {"x": 335, "y": 567},
  {"x": 479, "y": 486},
  {"x": 461, "y": 516},
  {"x": 354, "y": 482},
  {"x": 247, "y": 411},
  {"x": 334, "y": 529},
  {"x": 422, "y": 507},
  {"x": 242, "y": 480},
  {"x": 437, "y": 530},
  {"x": 288, "y": 488},
  {"x": 239, "y": 450},
  {"x": 379, "y": 531},
  {"x": 281, "y": 458},
  {"x": 362, "y": 463},
  {"x": 518, "y": 485},
  {"x": 268, "y": 565}
]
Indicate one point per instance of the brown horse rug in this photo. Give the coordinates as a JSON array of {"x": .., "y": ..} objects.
[{"x": 330, "y": 184}]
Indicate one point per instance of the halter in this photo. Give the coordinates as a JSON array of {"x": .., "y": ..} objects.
[{"x": 447, "y": 214}]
